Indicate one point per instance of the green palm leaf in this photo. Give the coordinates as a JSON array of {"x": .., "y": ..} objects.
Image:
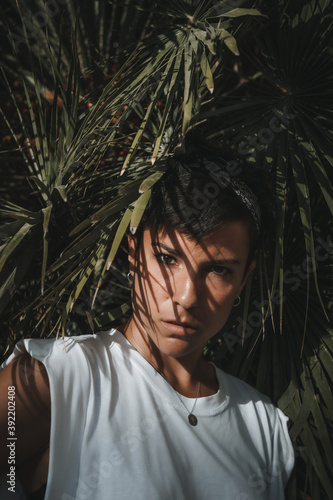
[
  {"x": 280, "y": 117},
  {"x": 110, "y": 90}
]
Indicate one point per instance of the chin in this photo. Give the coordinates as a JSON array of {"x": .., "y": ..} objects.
[{"x": 178, "y": 347}]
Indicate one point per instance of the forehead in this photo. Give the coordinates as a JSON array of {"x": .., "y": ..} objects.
[{"x": 227, "y": 241}]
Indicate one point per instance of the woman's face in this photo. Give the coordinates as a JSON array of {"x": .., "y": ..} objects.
[{"x": 184, "y": 290}]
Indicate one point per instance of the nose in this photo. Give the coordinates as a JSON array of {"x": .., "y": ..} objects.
[{"x": 186, "y": 290}]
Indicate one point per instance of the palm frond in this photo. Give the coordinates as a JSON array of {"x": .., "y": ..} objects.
[{"x": 98, "y": 95}]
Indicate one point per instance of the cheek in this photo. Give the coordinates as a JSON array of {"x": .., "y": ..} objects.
[
  {"x": 221, "y": 297},
  {"x": 155, "y": 280},
  {"x": 221, "y": 304}
]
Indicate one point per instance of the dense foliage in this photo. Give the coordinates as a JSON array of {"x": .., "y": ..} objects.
[{"x": 95, "y": 95}]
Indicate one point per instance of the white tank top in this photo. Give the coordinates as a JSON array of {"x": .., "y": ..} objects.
[{"x": 120, "y": 432}]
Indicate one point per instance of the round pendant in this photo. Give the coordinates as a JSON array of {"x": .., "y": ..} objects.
[{"x": 192, "y": 419}]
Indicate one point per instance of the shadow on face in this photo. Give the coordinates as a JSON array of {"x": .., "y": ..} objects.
[{"x": 182, "y": 281}]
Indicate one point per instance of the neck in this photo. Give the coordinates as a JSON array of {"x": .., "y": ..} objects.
[{"x": 183, "y": 373}]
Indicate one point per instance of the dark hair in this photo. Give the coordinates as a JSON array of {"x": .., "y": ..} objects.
[{"x": 200, "y": 191}]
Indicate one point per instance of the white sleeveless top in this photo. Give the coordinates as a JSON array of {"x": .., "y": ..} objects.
[{"x": 119, "y": 430}]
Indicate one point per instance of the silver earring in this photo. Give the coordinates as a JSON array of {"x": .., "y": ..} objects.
[
  {"x": 235, "y": 304},
  {"x": 130, "y": 278}
]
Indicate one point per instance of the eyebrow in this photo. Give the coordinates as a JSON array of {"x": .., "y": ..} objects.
[
  {"x": 215, "y": 262},
  {"x": 172, "y": 251}
]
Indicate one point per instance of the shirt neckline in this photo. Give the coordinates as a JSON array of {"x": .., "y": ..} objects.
[{"x": 205, "y": 406}]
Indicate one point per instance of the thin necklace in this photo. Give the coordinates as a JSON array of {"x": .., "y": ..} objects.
[{"x": 191, "y": 417}]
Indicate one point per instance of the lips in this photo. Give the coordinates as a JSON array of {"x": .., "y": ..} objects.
[{"x": 180, "y": 328}]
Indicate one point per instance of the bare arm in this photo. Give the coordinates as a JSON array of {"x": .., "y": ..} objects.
[{"x": 30, "y": 383}]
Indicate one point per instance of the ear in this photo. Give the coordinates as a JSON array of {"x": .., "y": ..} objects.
[
  {"x": 131, "y": 252},
  {"x": 248, "y": 272}
]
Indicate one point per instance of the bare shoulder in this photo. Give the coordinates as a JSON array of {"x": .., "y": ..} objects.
[{"x": 27, "y": 382}]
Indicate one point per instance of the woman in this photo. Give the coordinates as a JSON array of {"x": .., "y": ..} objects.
[{"x": 138, "y": 412}]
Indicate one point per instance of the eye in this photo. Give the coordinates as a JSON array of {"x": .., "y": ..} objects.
[
  {"x": 164, "y": 258},
  {"x": 221, "y": 270}
]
